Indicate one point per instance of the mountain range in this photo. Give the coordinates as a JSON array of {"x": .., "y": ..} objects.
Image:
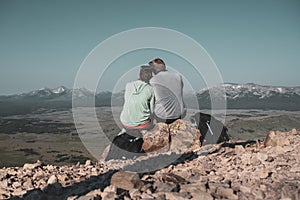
[
  {"x": 238, "y": 96},
  {"x": 253, "y": 96},
  {"x": 46, "y": 99}
]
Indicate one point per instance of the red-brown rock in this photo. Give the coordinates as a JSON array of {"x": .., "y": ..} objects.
[
  {"x": 157, "y": 139},
  {"x": 126, "y": 180},
  {"x": 184, "y": 137}
]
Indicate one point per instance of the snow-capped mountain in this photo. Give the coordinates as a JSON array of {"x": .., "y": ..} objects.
[
  {"x": 59, "y": 90},
  {"x": 234, "y": 91},
  {"x": 254, "y": 96},
  {"x": 43, "y": 92}
]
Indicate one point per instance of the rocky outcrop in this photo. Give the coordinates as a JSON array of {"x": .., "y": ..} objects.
[
  {"x": 179, "y": 137},
  {"x": 157, "y": 139},
  {"x": 277, "y": 139},
  {"x": 184, "y": 137},
  {"x": 267, "y": 169}
]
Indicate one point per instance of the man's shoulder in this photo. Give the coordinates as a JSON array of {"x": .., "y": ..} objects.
[
  {"x": 172, "y": 74},
  {"x": 165, "y": 75}
]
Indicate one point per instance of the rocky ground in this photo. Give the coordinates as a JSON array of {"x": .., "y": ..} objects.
[{"x": 268, "y": 169}]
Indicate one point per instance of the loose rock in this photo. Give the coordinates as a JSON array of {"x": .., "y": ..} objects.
[
  {"x": 52, "y": 180},
  {"x": 126, "y": 180}
]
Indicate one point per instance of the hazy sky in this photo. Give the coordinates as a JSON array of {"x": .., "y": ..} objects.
[{"x": 43, "y": 43}]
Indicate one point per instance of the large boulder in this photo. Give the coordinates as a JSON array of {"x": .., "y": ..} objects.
[
  {"x": 277, "y": 138},
  {"x": 156, "y": 140},
  {"x": 179, "y": 137},
  {"x": 184, "y": 136}
]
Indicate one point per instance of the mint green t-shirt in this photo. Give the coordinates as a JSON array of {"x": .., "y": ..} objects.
[{"x": 139, "y": 103}]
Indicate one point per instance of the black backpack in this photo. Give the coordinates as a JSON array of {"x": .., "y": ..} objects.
[
  {"x": 126, "y": 146},
  {"x": 212, "y": 130}
]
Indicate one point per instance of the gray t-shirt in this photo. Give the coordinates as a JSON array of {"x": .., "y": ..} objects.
[{"x": 168, "y": 89}]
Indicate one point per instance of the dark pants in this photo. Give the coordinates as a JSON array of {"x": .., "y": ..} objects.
[
  {"x": 126, "y": 146},
  {"x": 167, "y": 121}
]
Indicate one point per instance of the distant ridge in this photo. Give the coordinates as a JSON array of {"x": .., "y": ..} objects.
[
  {"x": 238, "y": 96},
  {"x": 45, "y": 99},
  {"x": 253, "y": 96},
  {"x": 234, "y": 90}
]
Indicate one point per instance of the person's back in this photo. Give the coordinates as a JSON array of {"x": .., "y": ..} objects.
[
  {"x": 139, "y": 101},
  {"x": 168, "y": 93},
  {"x": 138, "y": 105},
  {"x": 168, "y": 90}
]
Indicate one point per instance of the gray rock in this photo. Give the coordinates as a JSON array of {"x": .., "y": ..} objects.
[
  {"x": 226, "y": 193},
  {"x": 135, "y": 193},
  {"x": 126, "y": 180},
  {"x": 173, "y": 196},
  {"x": 28, "y": 184},
  {"x": 94, "y": 193},
  {"x": 262, "y": 156},
  {"x": 16, "y": 184},
  {"x": 52, "y": 179},
  {"x": 109, "y": 193},
  {"x": 165, "y": 187},
  {"x": 171, "y": 177},
  {"x": 201, "y": 195},
  {"x": 245, "y": 189},
  {"x": 193, "y": 188},
  {"x": 88, "y": 163},
  {"x": 3, "y": 183},
  {"x": 32, "y": 166}
]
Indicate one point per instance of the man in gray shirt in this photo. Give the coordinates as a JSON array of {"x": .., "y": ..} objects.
[{"x": 168, "y": 89}]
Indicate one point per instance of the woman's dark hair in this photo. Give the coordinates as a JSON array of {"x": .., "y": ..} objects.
[{"x": 145, "y": 73}]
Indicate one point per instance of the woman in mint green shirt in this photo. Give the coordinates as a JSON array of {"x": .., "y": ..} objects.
[{"x": 139, "y": 102}]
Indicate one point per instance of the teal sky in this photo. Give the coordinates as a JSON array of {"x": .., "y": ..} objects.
[{"x": 43, "y": 43}]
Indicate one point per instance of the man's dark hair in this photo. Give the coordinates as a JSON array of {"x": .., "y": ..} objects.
[
  {"x": 157, "y": 61},
  {"x": 145, "y": 73},
  {"x": 157, "y": 65}
]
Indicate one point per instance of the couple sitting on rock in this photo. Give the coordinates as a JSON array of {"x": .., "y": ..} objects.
[
  {"x": 159, "y": 99},
  {"x": 149, "y": 99}
]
